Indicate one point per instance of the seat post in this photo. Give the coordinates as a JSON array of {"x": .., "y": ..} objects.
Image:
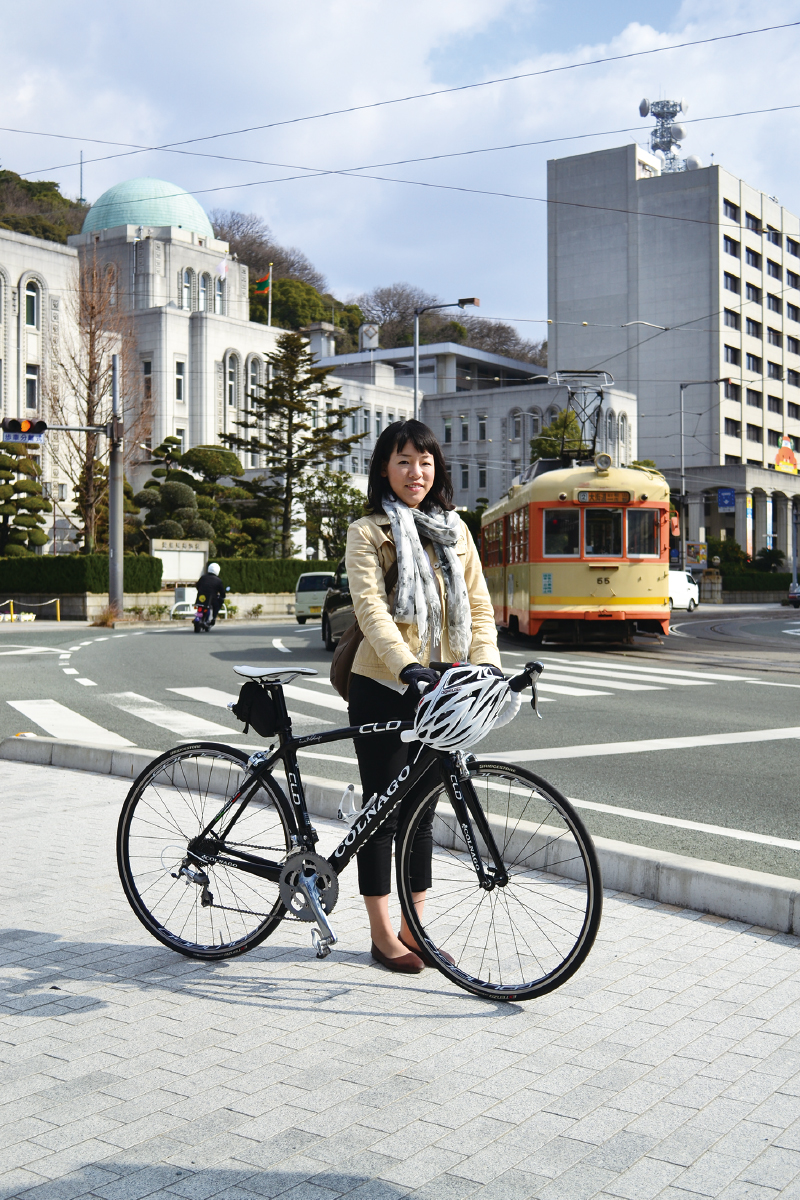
[{"x": 284, "y": 720}]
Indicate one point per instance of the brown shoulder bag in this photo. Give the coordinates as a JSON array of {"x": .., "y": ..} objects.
[{"x": 345, "y": 652}]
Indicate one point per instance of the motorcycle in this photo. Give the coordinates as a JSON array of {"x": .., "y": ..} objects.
[{"x": 203, "y": 614}]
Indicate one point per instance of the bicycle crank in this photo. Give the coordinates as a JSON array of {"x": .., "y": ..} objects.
[{"x": 309, "y": 888}]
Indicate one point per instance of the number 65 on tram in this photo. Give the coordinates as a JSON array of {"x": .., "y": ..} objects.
[{"x": 581, "y": 554}]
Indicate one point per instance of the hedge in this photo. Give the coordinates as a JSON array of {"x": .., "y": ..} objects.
[
  {"x": 267, "y": 575},
  {"x": 70, "y": 574},
  {"x": 756, "y": 581}
]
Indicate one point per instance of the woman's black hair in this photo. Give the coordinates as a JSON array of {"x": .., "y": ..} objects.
[{"x": 394, "y": 437}]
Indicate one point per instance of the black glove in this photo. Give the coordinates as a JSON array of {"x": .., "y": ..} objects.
[
  {"x": 415, "y": 674},
  {"x": 495, "y": 670}
]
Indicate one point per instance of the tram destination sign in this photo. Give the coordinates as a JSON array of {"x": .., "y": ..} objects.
[{"x": 603, "y": 496}]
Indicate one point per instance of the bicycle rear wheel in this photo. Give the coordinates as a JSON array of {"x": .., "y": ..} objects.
[
  {"x": 204, "y": 904},
  {"x": 524, "y": 938}
]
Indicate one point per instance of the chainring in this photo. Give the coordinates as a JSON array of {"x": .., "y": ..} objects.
[{"x": 327, "y": 884}]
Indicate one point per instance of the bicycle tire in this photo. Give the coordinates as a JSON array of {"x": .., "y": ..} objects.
[
  {"x": 171, "y": 802},
  {"x": 524, "y": 939}
]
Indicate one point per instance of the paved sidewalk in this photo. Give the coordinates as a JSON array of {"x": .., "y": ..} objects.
[{"x": 669, "y": 1067}]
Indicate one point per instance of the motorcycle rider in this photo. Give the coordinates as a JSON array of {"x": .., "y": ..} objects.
[{"x": 211, "y": 590}]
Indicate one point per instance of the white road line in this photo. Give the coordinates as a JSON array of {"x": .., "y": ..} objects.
[
  {"x": 86, "y": 682},
  {"x": 615, "y": 673},
  {"x": 317, "y": 698},
  {"x": 102, "y": 639},
  {"x": 626, "y": 668},
  {"x": 278, "y": 644},
  {"x": 219, "y": 699},
  {"x": 87, "y": 643},
  {"x": 602, "y": 681},
  {"x": 75, "y": 648},
  {"x": 796, "y": 632},
  {"x": 321, "y": 680},
  {"x": 118, "y": 635},
  {"x": 61, "y": 722},
  {"x": 772, "y": 683},
  {"x": 173, "y": 719},
  {"x": 602, "y": 749},
  {"x": 326, "y": 757},
  {"x": 31, "y": 650},
  {"x": 569, "y": 691},
  {"x": 70, "y": 671}
]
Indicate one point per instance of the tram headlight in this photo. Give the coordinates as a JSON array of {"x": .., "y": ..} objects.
[{"x": 603, "y": 462}]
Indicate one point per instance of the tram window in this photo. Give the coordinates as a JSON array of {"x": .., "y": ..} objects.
[
  {"x": 604, "y": 532},
  {"x": 561, "y": 532},
  {"x": 642, "y": 532}
]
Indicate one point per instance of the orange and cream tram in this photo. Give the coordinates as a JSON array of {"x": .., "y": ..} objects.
[{"x": 581, "y": 553}]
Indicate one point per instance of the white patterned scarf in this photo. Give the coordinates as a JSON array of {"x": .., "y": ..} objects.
[{"x": 417, "y": 597}]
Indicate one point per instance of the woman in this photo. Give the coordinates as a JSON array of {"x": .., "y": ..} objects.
[{"x": 439, "y": 611}]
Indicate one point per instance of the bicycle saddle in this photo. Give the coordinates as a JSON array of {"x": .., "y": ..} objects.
[{"x": 274, "y": 674}]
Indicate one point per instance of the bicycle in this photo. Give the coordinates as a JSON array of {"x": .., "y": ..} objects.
[{"x": 213, "y": 854}]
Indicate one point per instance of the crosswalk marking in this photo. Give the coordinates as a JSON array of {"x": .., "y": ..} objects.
[
  {"x": 176, "y": 720},
  {"x": 70, "y": 671},
  {"x": 86, "y": 682},
  {"x": 278, "y": 644},
  {"x": 588, "y": 663},
  {"x": 569, "y": 691},
  {"x": 602, "y": 749},
  {"x": 603, "y": 680},
  {"x": 208, "y": 695},
  {"x": 309, "y": 697},
  {"x": 615, "y": 673},
  {"x": 61, "y": 722}
]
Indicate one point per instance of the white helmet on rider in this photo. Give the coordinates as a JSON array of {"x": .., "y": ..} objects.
[
  {"x": 462, "y": 709},
  {"x": 213, "y": 568}
]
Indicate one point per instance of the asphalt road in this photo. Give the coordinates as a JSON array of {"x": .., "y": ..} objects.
[{"x": 677, "y": 744}]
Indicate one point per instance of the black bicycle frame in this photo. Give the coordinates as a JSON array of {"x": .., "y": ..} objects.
[{"x": 453, "y": 771}]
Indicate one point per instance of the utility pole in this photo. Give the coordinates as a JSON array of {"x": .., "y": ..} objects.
[
  {"x": 115, "y": 498},
  {"x": 472, "y": 300},
  {"x": 684, "y": 498},
  {"x": 795, "y": 531}
]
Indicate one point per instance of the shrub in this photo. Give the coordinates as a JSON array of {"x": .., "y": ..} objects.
[
  {"x": 268, "y": 575},
  {"x": 756, "y": 581},
  {"x": 70, "y": 574}
]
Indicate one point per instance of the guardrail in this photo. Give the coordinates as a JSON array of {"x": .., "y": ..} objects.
[{"x": 23, "y": 616}]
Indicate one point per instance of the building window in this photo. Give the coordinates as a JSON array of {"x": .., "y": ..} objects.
[
  {"x": 255, "y": 370},
  {"x": 752, "y": 223},
  {"x": 792, "y": 311},
  {"x": 181, "y": 433},
  {"x": 772, "y": 235},
  {"x": 32, "y": 306},
  {"x": 147, "y": 372},
  {"x": 464, "y": 477},
  {"x": 378, "y": 423},
  {"x": 793, "y": 378},
  {"x": 31, "y": 386},
  {"x": 219, "y": 297},
  {"x": 774, "y": 371},
  {"x": 731, "y": 247},
  {"x": 731, "y": 460},
  {"x": 774, "y": 269},
  {"x": 516, "y": 427},
  {"x": 254, "y": 458},
  {"x": 733, "y": 428},
  {"x": 536, "y": 422},
  {"x": 202, "y": 293},
  {"x": 623, "y": 434},
  {"x": 732, "y": 355},
  {"x": 793, "y": 279},
  {"x": 793, "y": 247},
  {"x": 482, "y": 475},
  {"x": 180, "y": 382},
  {"x": 611, "y": 430},
  {"x": 774, "y": 337},
  {"x": 389, "y": 418},
  {"x": 793, "y": 345},
  {"x": 232, "y": 364},
  {"x": 186, "y": 292},
  {"x": 464, "y": 428},
  {"x": 732, "y": 391},
  {"x": 774, "y": 438},
  {"x": 754, "y": 399},
  {"x": 793, "y": 411},
  {"x": 552, "y": 413},
  {"x": 481, "y": 427},
  {"x": 448, "y": 430},
  {"x": 753, "y": 328},
  {"x": 732, "y": 319},
  {"x": 753, "y": 363},
  {"x": 731, "y": 283},
  {"x": 729, "y": 210},
  {"x": 354, "y": 424},
  {"x": 755, "y": 433},
  {"x": 752, "y": 258},
  {"x": 752, "y": 293},
  {"x": 365, "y": 421},
  {"x": 774, "y": 404},
  {"x": 354, "y": 465},
  {"x": 62, "y": 491}
]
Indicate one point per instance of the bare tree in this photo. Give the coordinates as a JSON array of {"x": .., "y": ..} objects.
[
  {"x": 79, "y": 388},
  {"x": 252, "y": 241}
]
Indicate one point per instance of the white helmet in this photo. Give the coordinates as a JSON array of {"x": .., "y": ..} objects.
[
  {"x": 464, "y": 706},
  {"x": 213, "y": 568}
]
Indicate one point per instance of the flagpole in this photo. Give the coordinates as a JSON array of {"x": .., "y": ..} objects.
[{"x": 269, "y": 302}]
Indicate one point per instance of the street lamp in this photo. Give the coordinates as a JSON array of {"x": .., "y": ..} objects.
[
  {"x": 472, "y": 300},
  {"x": 684, "y": 386}
]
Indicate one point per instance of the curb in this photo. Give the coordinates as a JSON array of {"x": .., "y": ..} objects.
[{"x": 735, "y": 893}]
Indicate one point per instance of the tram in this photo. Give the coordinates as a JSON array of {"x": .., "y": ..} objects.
[{"x": 580, "y": 553}]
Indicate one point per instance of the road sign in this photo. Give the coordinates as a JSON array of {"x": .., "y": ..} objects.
[{"x": 726, "y": 500}]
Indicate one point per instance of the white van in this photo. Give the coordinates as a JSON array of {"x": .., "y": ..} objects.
[
  {"x": 683, "y": 590},
  {"x": 309, "y": 594}
]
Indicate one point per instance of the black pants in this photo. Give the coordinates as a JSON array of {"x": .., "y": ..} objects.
[{"x": 381, "y": 757}]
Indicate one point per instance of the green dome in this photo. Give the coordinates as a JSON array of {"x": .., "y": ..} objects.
[{"x": 147, "y": 202}]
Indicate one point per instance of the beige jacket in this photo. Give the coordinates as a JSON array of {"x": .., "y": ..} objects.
[{"x": 387, "y": 648}]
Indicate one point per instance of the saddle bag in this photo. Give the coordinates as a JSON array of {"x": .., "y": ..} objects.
[
  {"x": 256, "y": 708},
  {"x": 345, "y": 652}
]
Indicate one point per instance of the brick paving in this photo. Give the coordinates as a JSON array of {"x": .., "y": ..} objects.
[{"x": 669, "y": 1067}]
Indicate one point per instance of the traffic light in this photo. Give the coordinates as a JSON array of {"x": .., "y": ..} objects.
[{"x": 24, "y": 429}]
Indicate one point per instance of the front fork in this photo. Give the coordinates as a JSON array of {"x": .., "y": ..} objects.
[{"x": 472, "y": 819}]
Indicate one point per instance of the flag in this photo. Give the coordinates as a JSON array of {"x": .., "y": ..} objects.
[
  {"x": 263, "y": 285},
  {"x": 222, "y": 268}
]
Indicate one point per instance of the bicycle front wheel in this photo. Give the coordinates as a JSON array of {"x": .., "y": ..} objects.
[
  {"x": 513, "y": 940},
  {"x": 221, "y": 898}
]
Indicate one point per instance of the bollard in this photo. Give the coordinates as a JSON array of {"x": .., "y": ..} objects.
[
  {"x": 58, "y": 610},
  {"x": 11, "y": 608},
  {"x": 711, "y": 587}
]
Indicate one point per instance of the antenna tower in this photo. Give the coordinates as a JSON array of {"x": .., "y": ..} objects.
[{"x": 665, "y": 139}]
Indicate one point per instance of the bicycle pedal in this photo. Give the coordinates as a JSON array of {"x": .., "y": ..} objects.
[{"x": 322, "y": 945}]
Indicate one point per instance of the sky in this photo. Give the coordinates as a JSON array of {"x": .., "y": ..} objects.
[{"x": 155, "y": 73}]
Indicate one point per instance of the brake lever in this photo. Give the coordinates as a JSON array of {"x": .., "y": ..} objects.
[{"x": 534, "y": 670}]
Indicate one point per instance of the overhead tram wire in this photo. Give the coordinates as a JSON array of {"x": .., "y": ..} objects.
[{"x": 573, "y": 137}]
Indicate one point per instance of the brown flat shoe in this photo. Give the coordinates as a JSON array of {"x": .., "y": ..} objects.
[
  {"x": 424, "y": 955},
  {"x": 406, "y": 964}
]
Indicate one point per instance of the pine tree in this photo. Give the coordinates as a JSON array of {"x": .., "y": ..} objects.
[
  {"x": 331, "y": 504},
  {"x": 292, "y": 421},
  {"x": 22, "y": 504}
]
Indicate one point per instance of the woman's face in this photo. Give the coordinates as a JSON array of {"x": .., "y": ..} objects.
[{"x": 410, "y": 473}]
